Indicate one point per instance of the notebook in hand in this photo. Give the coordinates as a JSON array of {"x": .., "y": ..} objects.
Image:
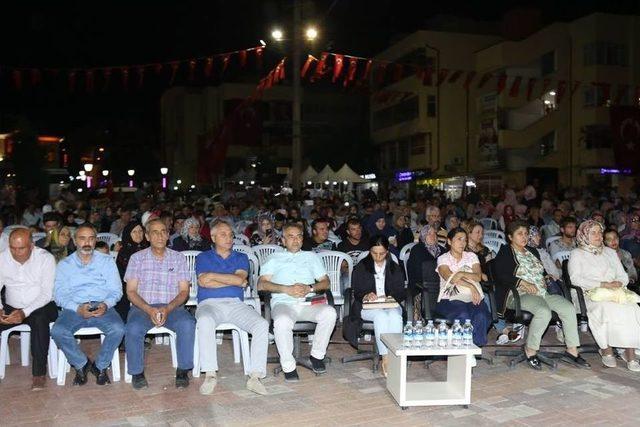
[
  {"x": 313, "y": 300},
  {"x": 384, "y": 302}
]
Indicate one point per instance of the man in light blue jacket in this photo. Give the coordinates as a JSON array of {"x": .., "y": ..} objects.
[{"x": 87, "y": 287}]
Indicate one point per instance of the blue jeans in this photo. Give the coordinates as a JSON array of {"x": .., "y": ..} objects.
[
  {"x": 68, "y": 324},
  {"x": 479, "y": 315},
  {"x": 179, "y": 321}
]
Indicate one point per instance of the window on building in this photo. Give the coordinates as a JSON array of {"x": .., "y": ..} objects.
[
  {"x": 395, "y": 114},
  {"x": 548, "y": 144},
  {"x": 596, "y": 136},
  {"x": 403, "y": 153},
  {"x": 392, "y": 155},
  {"x": 418, "y": 144},
  {"x": 606, "y": 53},
  {"x": 593, "y": 96},
  {"x": 548, "y": 63},
  {"x": 431, "y": 106}
]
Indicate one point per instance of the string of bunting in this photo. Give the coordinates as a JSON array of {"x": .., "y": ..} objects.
[
  {"x": 360, "y": 69},
  {"x": 202, "y": 67}
]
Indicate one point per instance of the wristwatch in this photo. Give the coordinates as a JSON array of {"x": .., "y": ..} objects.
[{"x": 313, "y": 289}]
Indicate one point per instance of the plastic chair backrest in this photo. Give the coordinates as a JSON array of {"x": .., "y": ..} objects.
[
  {"x": 37, "y": 236},
  {"x": 109, "y": 238},
  {"x": 561, "y": 256},
  {"x": 254, "y": 266},
  {"x": 489, "y": 223},
  {"x": 551, "y": 240},
  {"x": 264, "y": 251},
  {"x": 191, "y": 263},
  {"x": 493, "y": 244},
  {"x": 494, "y": 234},
  {"x": 332, "y": 261},
  {"x": 405, "y": 252},
  {"x": 241, "y": 239},
  {"x": 114, "y": 254}
]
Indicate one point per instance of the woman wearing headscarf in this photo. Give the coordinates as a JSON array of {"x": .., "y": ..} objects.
[
  {"x": 190, "y": 238},
  {"x": 133, "y": 240},
  {"x": 614, "y": 316},
  {"x": 377, "y": 225},
  {"x": 427, "y": 250},
  {"x": 60, "y": 245},
  {"x": 264, "y": 233},
  {"x": 404, "y": 236}
]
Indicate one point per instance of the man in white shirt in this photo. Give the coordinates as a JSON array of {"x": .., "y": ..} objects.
[
  {"x": 28, "y": 273},
  {"x": 567, "y": 240}
]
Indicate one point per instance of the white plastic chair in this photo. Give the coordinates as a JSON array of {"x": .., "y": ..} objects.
[
  {"x": 332, "y": 261},
  {"x": 114, "y": 254},
  {"x": 559, "y": 257},
  {"x": 489, "y": 224},
  {"x": 240, "y": 346},
  {"x": 193, "y": 290},
  {"x": 251, "y": 291},
  {"x": 404, "y": 257},
  {"x": 241, "y": 239},
  {"x": 37, "y": 236},
  {"x": 264, "y": 251},
  {"x": 494, "y": 234},
  {"x": 551, "y": 240},
  {"x": 172, "y": 342},
  {"x": 109, "y": 238},
  {"x": 64, "y": 367},
  {"x": 240, "y": 226},
  {"x": 364, "y": 254},
  {"x": 493, "y": 244},
  {"x": 25, "y": 334}
]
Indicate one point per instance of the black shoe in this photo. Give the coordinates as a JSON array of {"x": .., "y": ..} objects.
[
  {"x": 182, "y": 378},
  {"x": 534, "y": 362},
  {"x": 81, "y": 374},
  {"x": 317, "y": 365},
  {"x": 576, "y": 360},
  {"x": 147, "y": 343},
  {"x": 138, "y": 381},
  {"x": 291, "y": 377},
  {"x": 102, "y": 377}
]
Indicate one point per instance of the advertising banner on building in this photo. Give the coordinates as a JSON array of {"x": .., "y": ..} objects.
[{"x": 625, "y": 128}]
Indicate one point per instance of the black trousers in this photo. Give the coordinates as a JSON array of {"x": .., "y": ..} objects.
[{"x": 38, "y": 321}]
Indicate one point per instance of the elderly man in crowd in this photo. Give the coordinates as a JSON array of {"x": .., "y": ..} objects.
[
  {"x": 291, "y": 276},
  {"x": 28, "y": 273},
  {"x": 118, "y": 225},
  {"x": 222, "y": 278},
  {"x": 87, "y": 287},
  {"x": 158, "y": 285}
]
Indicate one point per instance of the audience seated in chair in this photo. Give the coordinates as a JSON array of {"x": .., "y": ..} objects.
[
  {"x": 612, "y": 310},
  {"x": 158, "y": 286},
  {"x": 28, "y": 274},
  {"x": 87, "y": 287},
  {"x": 375, "y": 277},
  {"x": 290, "y": 276},
  {"x": 518, "y": 265},
  {"x": 222, "y": 278}
]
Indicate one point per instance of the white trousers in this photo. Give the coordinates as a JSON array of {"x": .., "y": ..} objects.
[
  {"x": 286, "y": 315},
  {"x": 215, "y": 311},
  {"x": 385, "y": 321}
]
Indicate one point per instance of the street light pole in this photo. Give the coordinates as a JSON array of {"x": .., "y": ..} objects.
[{"x": 296, "y": 136}]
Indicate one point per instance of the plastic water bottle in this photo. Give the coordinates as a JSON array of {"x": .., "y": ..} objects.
[
  {"x": 467, "y": 333},
  {"x": 443, "y": 334},
  {"x": 429, "y": 334},
  {"x": 417, "y": 335},
  {"x": 407, "y": 335},
  {"x": 456, "y": 333}
]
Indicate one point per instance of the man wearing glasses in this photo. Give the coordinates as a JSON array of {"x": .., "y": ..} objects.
[{"x": 158, "y": 285}]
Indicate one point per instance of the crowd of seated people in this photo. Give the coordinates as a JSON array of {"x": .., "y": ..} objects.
[{"x": 142, "y": 281}]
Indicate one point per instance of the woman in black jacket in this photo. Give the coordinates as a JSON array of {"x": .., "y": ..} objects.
[
  {"x": 428, "y": 249},
  {"x": 376, "y": 276}
]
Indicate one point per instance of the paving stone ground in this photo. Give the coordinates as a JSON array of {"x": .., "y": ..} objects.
[{"x": 347, "y": 395}]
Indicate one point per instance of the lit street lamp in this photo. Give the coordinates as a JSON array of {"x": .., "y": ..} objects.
[
  {"x": 164, "y": 172},
  {"x": 131, "y": 172},
  {"x": 88, "y": 167}
]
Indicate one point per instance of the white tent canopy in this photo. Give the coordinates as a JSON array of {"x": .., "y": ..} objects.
[
  {"x": 309, "y": 174},
  {"x": 243, "y": 175},
  {"x": 347, "y": 174},
  {"x": 326, "y": 174}
]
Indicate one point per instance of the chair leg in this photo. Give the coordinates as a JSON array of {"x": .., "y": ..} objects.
[
  {"x": 25, "y": 347},
  {"x": 62, "y": 368},
  {"x": 4, "y": 353},
  {"x": 195, "y": 372},
  {"x": 127, "y": 377},
  {"x": 246, "y": 352},
  {"x": 53, "y": 359},
  {"x": 174, "y": 350},
  {"x": 236, "y": 346}
]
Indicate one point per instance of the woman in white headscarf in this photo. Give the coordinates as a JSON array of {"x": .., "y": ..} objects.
[
  {"x": 190, "y": 238},
  {"x": 614, "y": 316}
]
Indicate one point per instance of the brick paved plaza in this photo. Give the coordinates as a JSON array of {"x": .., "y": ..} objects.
[{"x": 348, "y": 394}]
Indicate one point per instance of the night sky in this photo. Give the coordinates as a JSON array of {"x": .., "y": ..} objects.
[{"x": 90, "y": 33}]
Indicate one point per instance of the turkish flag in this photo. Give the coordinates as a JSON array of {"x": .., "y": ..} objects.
[
  {"x": 242, "y": 58},
  {"x": 530, "y": 85},
  {"x": 515, "y": 87},
  {"x": 625, "y": 128},
  {"x": 484, "y": 79},
  {"x": 442, "y": 76},
  {"x": 307, "y": 64},
  {"x": 455, "y": 76},
  {"x": 320, "y": 67},
  {"x": 367, "y": 70},
  {"x": 502, "y": 81},
  {"x": 351, "y": 71},
  {"x": 337, "y": 67},
  {"x": 467, "y": 81}
]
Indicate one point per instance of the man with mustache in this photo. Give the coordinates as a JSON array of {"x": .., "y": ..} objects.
[{"x": 87, "y": 287}]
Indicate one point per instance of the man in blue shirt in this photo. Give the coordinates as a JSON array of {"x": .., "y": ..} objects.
[
  {"x": 222, "y": 278},
  {"x": 87, "y": 287},
  {"x": 291, "y": 276}
]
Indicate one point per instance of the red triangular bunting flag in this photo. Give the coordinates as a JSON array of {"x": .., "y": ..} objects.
[
  {"x": 307, "y": 64},
  {"x": 398, "y": 69},
  {"x": 442, "y": 76},
  {"x": 174, "y": 71},
  {"x": 320, "y": 67},
  {"x": 208, "y": 67},
  {"x": 427, "y": 78},
  {"x": 380, "y": 73},
  {"x": 562, "y": 89},
  {"x": 484, "y": 79},
  {"x": 282, "y": 74},
  {"x": 269, "y": 83},
  {"x": 351, "y": 71},
  {"x": 367, "y": 70},
  {"x": 515, "y": 87},
  {"x": 225, "y": 62},
  {"x": 140, "y": 71},
  {"x": 576, "y": 85},
  {"x": 107, "y": 78},
  {"x": 125, "y": 77},
  {"x": 530, "y": 84},
  {"x": 501, "y": 83},
  {"x": 192, "y": 69},
  {"x": 337, "y": 67},
  {"x": 467, "y": 81},
  {"x": 259, "y": 57},
  {"x": 242, "y": 58},
  {"x": 545, "y": 86},
  {"x": 455, "y": 76},
  {"x": 89, "y": 81},
  {"x": 72, "y": 80}
]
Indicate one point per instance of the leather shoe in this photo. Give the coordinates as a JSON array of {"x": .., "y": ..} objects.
[
  {"x": 182, "y": 378},
  {"x": 38, "y": 382},
  {"x": 81, "y": 374},
  {"x": 576, "y": 360},
  {"x": 102, "y": 377},
  {"x": 534, "y": 362}
]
